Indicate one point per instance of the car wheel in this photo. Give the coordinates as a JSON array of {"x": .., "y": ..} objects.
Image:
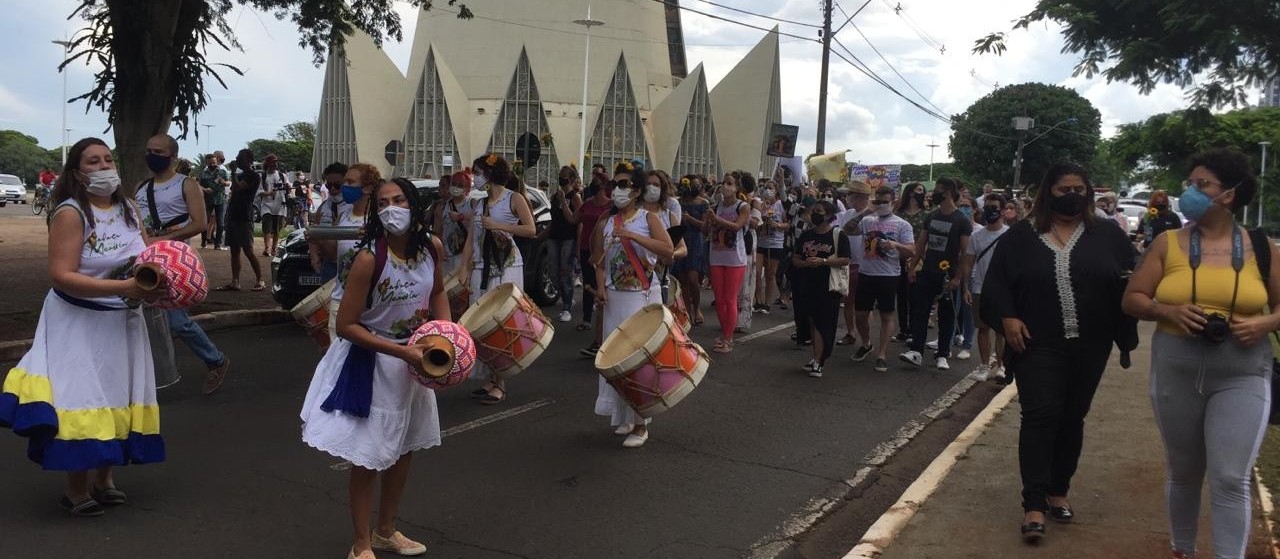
[{"x": 539, "y": 283}]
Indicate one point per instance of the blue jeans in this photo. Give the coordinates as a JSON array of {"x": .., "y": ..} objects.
[
  {"x": 183, "y": 327},
  {"x": 562, "y": 253},
  {"x": 964, "y": 322}
]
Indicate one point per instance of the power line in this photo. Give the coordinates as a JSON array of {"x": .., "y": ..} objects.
[
  {"x": 915, "y": 27},
  {"x": 773, "y": 18},
  {"x": 850, "y": 18},
  {"x": 735, "y": 22},
  {"x": 890, "y": 64}
]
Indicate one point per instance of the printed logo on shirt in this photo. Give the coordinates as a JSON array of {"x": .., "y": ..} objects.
[{"x": 939, "y": 234}]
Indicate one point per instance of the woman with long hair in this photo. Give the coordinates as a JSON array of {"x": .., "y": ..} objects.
[
  {"x": 747, "y": 293},
  {"x": 691, "y": 269},
  {"x": 452, "y": 220},
  {"x": 911, "y": 207},
  {"x": 1159, "y": 218},
  {"x": 85, "y": 393},
  {"x": 597, "y": 204},
  {"x": 492, "y": 255},
  {"x": 1210, "y": 355},
  {"x": 1054, "y": 285},
  {"x": 562, "y": 237},
  {"x": 657, "y": 200},
  {"x": 361, "y": 405},
  {"x": 818, "y": 250},
  {"x": 357, "y": 190},
  {"x": 769, "y": 252},
  {"x": 725, "y": 226},
  {"x": 628, "y": 245}
]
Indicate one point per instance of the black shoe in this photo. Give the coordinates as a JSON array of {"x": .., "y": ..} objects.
[
  {"x": 1062, "y": 515},
  {"x": 1032, "y": 532},
  {"x": 862, "y": 353},
  {"x": 901, "y": 337},
  {"x": 590, "y": 351}
]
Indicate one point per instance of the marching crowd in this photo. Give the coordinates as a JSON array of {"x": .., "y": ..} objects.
[{"x": 1044, "y": 286}]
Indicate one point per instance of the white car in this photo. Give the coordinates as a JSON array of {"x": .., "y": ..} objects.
[{"x": 12, "y": 189}]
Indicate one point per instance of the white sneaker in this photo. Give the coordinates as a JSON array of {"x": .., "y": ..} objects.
[
  {"x": 932, "y": 345},
  {"x": 981, "y": 373},
  {"x": 636, "y": 441},
  {"x": 942, "y": 364},
  {"x": 963, "y": 355},
  {"x": 997, "y": 373},
  {"x": 812, "y": 365},
  {"x": 624, "y": 429},
  {"x": 912, "y": 357},
  {"x": 566, "y": 316},
  {"x": 816, "y": 371}
]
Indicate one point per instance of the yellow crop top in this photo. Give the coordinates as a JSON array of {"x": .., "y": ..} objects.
[{"x": 1214, "y": 285}]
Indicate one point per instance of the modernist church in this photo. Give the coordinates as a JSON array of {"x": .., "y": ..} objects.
[{"x": 476, "y": 86}]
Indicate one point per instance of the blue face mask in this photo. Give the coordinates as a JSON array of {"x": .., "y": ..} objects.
[
  {"x": 1193, "y": 203},
  {"x": 967, "y": 212},
  {"x": 351, "y": 193}
]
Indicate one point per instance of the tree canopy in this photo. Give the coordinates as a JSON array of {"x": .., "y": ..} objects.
[
  {"x": 22, "y": 155},
  {"x": 1158, "y": 149},
  {"x": 983, "y": 141},
  {"x": 1216, "y": 50}
]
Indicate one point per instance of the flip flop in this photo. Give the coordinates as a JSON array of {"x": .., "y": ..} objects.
[
  {"x": 258, "y": 286},
  {"x": 227, "y": 287}
]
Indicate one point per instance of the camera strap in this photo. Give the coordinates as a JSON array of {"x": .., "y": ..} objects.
[{"x": 1237, "y": 264}]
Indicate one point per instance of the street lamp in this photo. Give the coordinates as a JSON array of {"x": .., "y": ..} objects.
[
  {"x": 586, "y": 68},
  {"x": 1263, "y": 179},
  {"x": 1023, "y": 125},
  {"x": 66, "y": 48},
  {"x": 208, "y": 134},
  {"x": 931, "y": 146}
]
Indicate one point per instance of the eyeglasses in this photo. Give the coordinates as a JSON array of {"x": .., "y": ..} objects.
[
  {"x": 620, "y": 183},
  {"x": 1200, "y": 184},
  {"x": 881, "y": 202}
]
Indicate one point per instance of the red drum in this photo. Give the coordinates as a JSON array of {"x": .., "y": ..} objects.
[
  {"x": 510, "y": 331},
  {"x": 448, "y": 357},
  {"x": 458, "y": 290},
  {"x": 651, "y": 362},
  {"x": 678, "y": 308},
  {"x": 313, "y": 314},
  {"x": 184, "y": 278}
]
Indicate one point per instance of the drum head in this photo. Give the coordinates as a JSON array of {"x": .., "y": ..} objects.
[
  {"x": 647, "y": 329},
  {"x": 490, "y": 309}
]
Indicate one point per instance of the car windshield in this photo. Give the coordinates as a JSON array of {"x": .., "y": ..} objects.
[{"x": 10, "y": 179}]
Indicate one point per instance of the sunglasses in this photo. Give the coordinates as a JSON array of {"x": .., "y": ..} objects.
[{"x": 621, "y": 183}]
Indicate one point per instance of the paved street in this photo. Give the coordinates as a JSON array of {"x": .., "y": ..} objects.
[{"x": 539, "y": 476}]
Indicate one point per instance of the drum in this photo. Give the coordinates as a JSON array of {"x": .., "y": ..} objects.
[
  {"x": 449, "y": 354},
  {"x": 509, "y": 330},
  {"x": 184, "y": 278},
  {"x": 651, "y": 362},
  {"x": 313, "y": 314},
  {"x": 458, "y": 290},
  {"x": 678, "y": 308}
]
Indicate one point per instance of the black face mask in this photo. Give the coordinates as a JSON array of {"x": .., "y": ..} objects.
[
  {"x": 563, "y": 181},
  {"x": 1162, "y": 207},
  {"x": 817, "y": 219},
  {"x": 1070, "y": 204},
  {"x": 990, "y": 215},
  {"x": 936, "y": 198}
]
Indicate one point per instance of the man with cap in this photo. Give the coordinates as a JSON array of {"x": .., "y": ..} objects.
[{"x": 856, "y": 196}]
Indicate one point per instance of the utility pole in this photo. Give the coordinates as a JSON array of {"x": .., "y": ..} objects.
[
  {"x": 821, "y": 144},
  {"x": 931, "y": 147}
]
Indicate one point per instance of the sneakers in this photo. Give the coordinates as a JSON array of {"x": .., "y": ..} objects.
[
  {"x": 932, "y": 344},
  {"x": 636, "y": 441},
  {"x": 963, "y": 354},
  {"x": 901, "y": 337},
  {"x": 997, "y": 372},
  {"x": 216, "y": 375},
  {"x": 912, "y": 357},
  {"x": 398, "y": 544},
  {"x": 981, "y": 373},
  {"x": 942, "y": 364},
  {"x": 846, "y": 340},
  {"x": 624, "y": 429},
  {"x": 566, "y": 316},
  {"x": 811, "y": 366},
  {"x": 816, "y": 372},
  {"x": 862, "y": 353},
  {"x": 590, "y": 351},
  {"x": 763, "y": 309},
  {"x": 881, "y": 366}
]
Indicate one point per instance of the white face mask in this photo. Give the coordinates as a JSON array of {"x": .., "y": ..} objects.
[
  {"x": 884, "y": 210},
  {"x": 457, "y": 191},
  {"x": 621, "y": 197},
  {"x": 478, "y": 182},
  {"x": 768, "y": 193},
  {"x": 103, "y": 182},
  {"x": 652, "y": 193},
  {"x": 395, "y": 219}
]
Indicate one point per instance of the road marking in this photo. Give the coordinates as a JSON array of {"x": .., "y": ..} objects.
[
  {"x": 763, "y": 333},
  {"x": 474, "y": 424}
]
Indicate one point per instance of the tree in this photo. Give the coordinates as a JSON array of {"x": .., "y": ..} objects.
[
  {"x": 298, "y": 132},
  {"x": 983, "y": 141},
  {"x": 153, "y": 56},
  {"x": 920, "y": 173},
  {"x": 1225, "y": 47},
  {"x": 22, "y": 155}
]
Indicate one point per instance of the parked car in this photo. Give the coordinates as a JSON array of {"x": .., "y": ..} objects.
[
  {"x": 12, "y": 189},
  {"x": 293, "y": 279}
]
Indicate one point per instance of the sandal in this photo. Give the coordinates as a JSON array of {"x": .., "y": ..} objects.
[
  {"x": 259, "y": 286},
  {"x": 108, "y": 496},
  {"x": 582, "y": 327},
  {"x": 87, "y": 508},
  {"x": 228, "y": 287},
  {"x": 491, "y": 400}
]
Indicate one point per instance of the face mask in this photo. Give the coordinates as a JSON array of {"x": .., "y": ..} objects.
[
  {"x": 768, "y": 193},
  {"x": 652, "y": 193},
  {"x": 1194, "y": 203},
  {"x": 457, "y": 191},
  {"x": 351, "y": 193},
  {"x": 884, "y": 210},
  {"x": 1070, "y": 204},
  {"x": 563, "y": 181},
  {"x": 158, "y": 163},
  {"x": 103, "y": 183},
  {"x": 936, "y": 198},
  {"x": 991, "y": 215},
  {"x": 809, "y": 201},
  {"x": 621, "y": 197},
  {"x": 395, "y": 219},
  {"x": 478, "y": 182},
  {"x": 1162, "y": 207},
  {"x": 817, "y": 219},
  {"x": 967, "y": 212}
]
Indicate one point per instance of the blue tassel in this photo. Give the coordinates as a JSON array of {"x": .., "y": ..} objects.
[{"x": 353, "y": 393}]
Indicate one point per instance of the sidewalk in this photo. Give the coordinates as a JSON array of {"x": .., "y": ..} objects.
[{"x": 1118, "y": 492}]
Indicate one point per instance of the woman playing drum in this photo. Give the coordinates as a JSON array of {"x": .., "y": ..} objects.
[
  {"x": 91, "y": 356},
  {"x": 627, "y": 247},
  {"x": 491, "y": 253},
  {"x": 363, "y": 404}
]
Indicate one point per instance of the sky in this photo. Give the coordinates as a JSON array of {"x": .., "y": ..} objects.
[{"x": 282, "y": 85}]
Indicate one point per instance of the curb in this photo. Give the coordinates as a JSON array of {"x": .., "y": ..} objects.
[
  {"x": 887, "y": 528},
  {"x": 211, "y": 322},
  {"x": 1268, "y": 510}
]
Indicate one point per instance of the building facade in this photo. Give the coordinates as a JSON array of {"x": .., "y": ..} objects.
[
  {"x": 476, "y": 86},
  {"x": 1271, "y": 93}
]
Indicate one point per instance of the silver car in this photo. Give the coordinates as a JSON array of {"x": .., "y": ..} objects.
[{"x": 12, "y": 189}]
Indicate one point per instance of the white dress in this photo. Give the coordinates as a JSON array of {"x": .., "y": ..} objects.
[
  {"x": 85, "y": 394},
  {"x": 626, "y": 297},
  {"x": 402, "y": 414},
  {"x": 510, "y": 270}
]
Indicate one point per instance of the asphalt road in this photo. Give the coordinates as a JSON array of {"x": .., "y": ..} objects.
[{"x": 540, "y": 476}]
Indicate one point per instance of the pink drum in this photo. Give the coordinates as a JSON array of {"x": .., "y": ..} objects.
[
  {"x": 184, "y": 278},
  {"x": 510, "y": 331},
  {"x": 651, "y": 362},
  {"x": 677, "y": 307},
  {"x": 448, "y": 356}
]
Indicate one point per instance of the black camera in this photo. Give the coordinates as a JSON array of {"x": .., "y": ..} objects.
[{"x": 1216, "y": 328}]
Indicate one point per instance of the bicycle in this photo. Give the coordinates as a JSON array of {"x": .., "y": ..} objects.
[{"x": 41, "y": 200}]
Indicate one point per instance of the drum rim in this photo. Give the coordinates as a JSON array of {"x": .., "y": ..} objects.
[
  {"x": 489, "y": 321},
  {"x": 625, "y": 363}
]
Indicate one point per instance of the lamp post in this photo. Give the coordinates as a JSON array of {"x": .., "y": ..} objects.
[
  {"x": 1263, "y": 179},
  {"x": 931, "y": 147},
  {"x": 586, "y": 69},
  {"x": 1023, "y": 125},
  {"x": 66, "y": 47},
  {"x": 208, "y": 136}
]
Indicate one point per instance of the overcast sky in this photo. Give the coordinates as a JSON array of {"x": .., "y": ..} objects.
[{"x": 282, "y": 85}]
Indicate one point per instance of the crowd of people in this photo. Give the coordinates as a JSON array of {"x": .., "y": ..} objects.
[{"x": 1045, "y": 286}]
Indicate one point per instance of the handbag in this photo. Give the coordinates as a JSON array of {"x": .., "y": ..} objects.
[{"x": 837, "y": 277}]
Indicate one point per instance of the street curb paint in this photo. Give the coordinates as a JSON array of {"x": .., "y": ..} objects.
[
  {"x": 211, "y": 322},
  {"x": 887, "y": 528},
  {"x": 1268, "y": 509}
]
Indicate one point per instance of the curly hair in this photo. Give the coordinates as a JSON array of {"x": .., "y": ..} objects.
[
  {"x": 370, "y": 177},
  {"x": 664, "y": 184},
  {"x": 1234, "y": 171},
  {"x": 495, "y": 167}
]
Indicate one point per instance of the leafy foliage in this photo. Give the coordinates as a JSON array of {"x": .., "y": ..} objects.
[
  {"x": 22, "y": 155},
  {"x": 298, "y": 132},
  {"x": 1232, "y": 45},
  {"x": 1159, "y": 148},
  {"x": 983, "y": 141}
]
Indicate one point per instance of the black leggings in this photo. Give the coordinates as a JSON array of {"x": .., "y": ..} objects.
[
  {"x": 588, "y": 279},
  {"x": 820, "y": 310},
  {"x": 904, "y": 302}
]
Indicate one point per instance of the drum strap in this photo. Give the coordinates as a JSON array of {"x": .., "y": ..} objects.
[{"x": 629, "y": 249}]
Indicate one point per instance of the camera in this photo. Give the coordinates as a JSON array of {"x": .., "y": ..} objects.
[{"x": 1216, "y": 329}]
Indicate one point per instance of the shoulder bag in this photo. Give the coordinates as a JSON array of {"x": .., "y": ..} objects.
[{"x": 837, "y": 276}]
